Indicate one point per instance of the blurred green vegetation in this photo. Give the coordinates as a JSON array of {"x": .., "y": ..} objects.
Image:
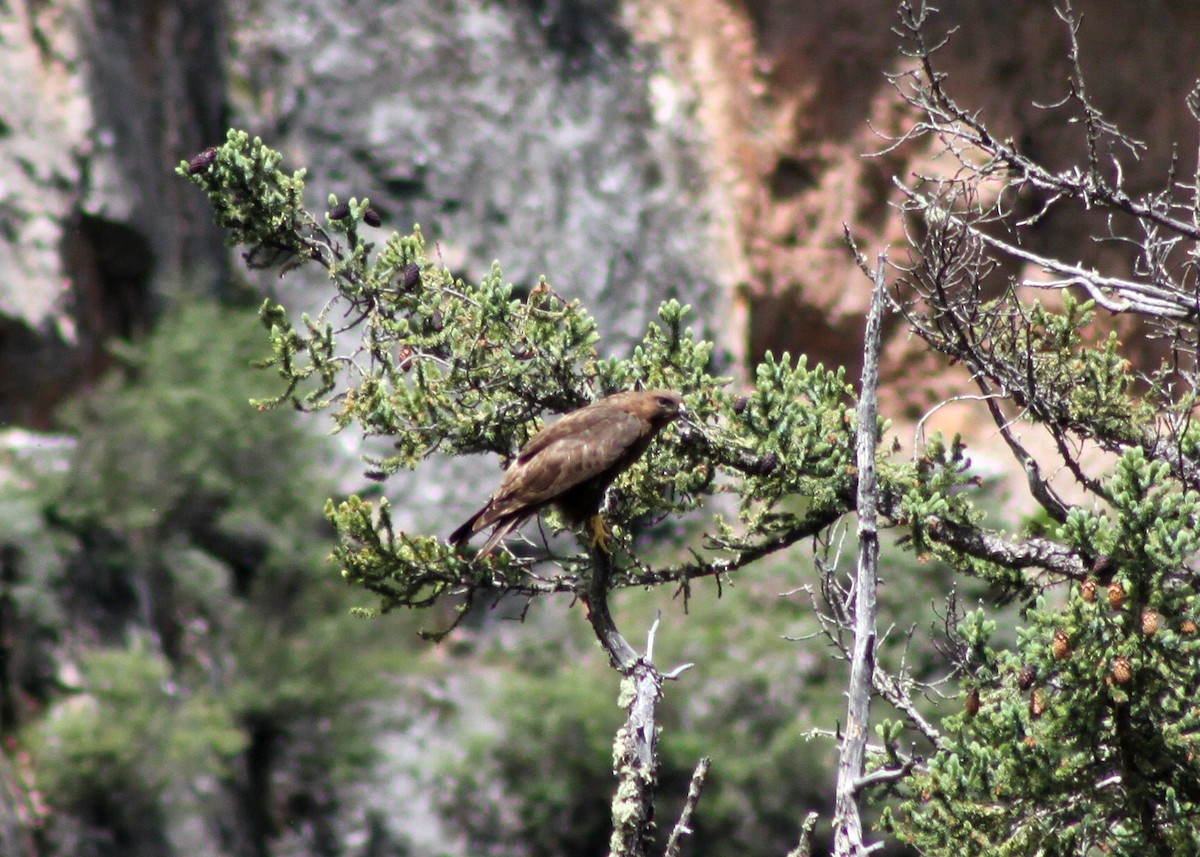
[{"x": 187, "y": 648}]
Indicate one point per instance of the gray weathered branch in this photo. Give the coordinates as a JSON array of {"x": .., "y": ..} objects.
[{"x": 848, "y": 829}]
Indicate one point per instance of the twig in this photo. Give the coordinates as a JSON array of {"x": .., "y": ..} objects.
[
  {"x": 652, "y": 634},
  {"x": 1039, "y": 487},
  {"x": 677, "y": 672},
  {"x": 884, "y": 775},
  {"x": 889, "y": 687},
  {"x": 1141, "y": 298},
  {"x": 682, "y": 827},
  {"x": 919, "y": 432}
]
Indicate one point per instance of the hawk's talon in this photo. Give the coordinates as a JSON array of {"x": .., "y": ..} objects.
[{"x": 600, "y": 534}]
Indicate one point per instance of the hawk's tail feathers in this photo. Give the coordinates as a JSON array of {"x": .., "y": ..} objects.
[
  {"x": 504, "y": 525},
  {"x": 463, "y": 534},
  {"x": 503, "y": 528}
]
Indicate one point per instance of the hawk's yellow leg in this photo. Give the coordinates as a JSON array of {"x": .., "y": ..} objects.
[{"x": 600, "y": 534}]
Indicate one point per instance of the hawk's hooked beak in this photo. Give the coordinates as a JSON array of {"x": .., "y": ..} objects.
[{"x": 686, "y": 426}]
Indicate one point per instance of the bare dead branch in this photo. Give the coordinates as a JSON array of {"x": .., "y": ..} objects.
[
  {"x": 635, "y": 755},
  {"x": 804, "y": 846},
  {"x": 892, "y": 689},
  {"x": 962, "y": 130},
  {"x": 848, "y": 830},
  {"x": 884, "y": 775},
  {"x": 1017, "y": 555},
  {"x": 1038, "y": 486}
]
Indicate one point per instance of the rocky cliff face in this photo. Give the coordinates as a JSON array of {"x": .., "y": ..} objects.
[
  {"x": 524, "y": 132},
  {"x": 706, "y": 149},
  {"x": 528, "y": 132},
  {"x": 709, "y": 149},
  {"x": 100, "y": 100},
  {"x": 792, "y": 95}
]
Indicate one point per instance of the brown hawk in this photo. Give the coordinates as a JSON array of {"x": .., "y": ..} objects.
[{"x": 572, "y": 462}]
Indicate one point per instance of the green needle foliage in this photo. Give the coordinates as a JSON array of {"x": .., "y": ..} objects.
[
  {"x": 1078, "y": 726},
  {"x": 438, "y": 365},
  {"x": 1086, "y": 735}
]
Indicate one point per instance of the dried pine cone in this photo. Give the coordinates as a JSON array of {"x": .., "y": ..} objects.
[
  {"x": 972, "y": 702},
  {"x": 1122, "y": 670},
  {"x": 202, "y": 161},
  {"x": 766, "y": 464},
  {"x": 1061, "y": 645},
  {"x": 1037, "y": 702},
  {"x": 1103, "y": 568},
  {"x": 412, "y": 276}
]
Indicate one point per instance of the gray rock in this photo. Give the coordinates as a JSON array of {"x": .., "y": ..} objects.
[
  {"x": 517, "y": 131},
  {"x": 100, "y": 101}
]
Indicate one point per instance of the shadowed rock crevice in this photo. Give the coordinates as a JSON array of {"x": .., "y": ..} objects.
[
  {"x": 157, "y": 83},
  {"x": 587, "y": 35},
  {"x": 36, "y": 372}
]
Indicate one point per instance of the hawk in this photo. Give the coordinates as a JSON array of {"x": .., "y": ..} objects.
[{"x": 572, "y": 462}]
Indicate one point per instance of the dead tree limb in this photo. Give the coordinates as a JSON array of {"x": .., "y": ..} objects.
[{"x": 848, "y": 830}]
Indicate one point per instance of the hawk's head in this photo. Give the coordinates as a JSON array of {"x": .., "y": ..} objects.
[
  {"x": 667, "y": 406},
  {"x": 656, "y": 408}
]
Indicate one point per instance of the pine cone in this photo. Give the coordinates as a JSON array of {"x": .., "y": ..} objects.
[
  {"x": 1061, "y": 646},
  {"x": 1122, "y": 670}
]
